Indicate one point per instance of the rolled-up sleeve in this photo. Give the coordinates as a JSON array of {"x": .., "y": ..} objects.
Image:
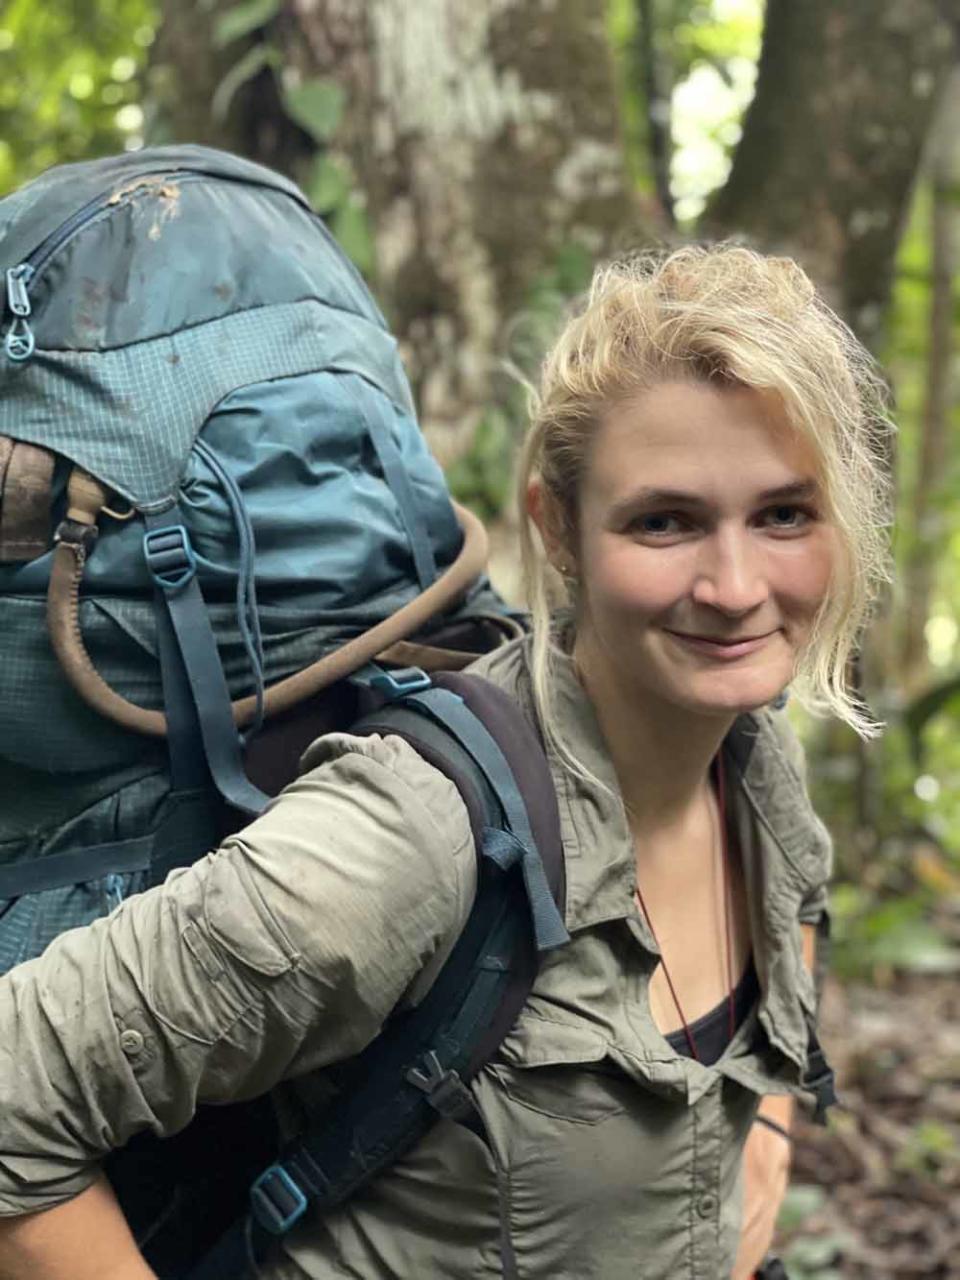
[{"x": 279, "y": 953}]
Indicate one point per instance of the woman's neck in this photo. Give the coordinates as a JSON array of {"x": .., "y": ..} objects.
[{"x": 661, "y": 753}]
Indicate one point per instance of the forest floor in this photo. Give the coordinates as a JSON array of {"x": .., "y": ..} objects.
[{"x": 877, "y": 1193}]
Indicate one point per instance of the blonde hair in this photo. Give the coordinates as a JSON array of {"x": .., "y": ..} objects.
[{"x": 726, "y": 315}]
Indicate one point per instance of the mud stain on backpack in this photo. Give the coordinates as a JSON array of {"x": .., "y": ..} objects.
[{"x": 167, "y": 193}]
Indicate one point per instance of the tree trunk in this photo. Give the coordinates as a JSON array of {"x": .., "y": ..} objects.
[
  {"x": 483, "y": 140},
  {"x": 927, "y": 514},
  {"x": 831, "y": 143}
]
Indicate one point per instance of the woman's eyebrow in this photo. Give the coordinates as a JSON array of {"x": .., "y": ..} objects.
[{"x": 795, "y": 491}]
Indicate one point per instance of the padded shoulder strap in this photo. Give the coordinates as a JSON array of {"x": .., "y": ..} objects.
[
  {"x": 524, "y": 753},
  {"x": 517, "y": 843},
  {"x": 418, "y": 1068}
]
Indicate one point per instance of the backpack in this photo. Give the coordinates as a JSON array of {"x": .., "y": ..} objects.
[
  {"x": 193, "y": 376},
  {"x": 218, "y": 521}
]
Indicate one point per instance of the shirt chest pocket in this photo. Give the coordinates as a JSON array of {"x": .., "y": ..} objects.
[
  {"x": 592, "y": 1155},
  {"x": 562, "y": 1071}
]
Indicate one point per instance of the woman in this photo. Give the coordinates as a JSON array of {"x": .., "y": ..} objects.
[{"x": 703, "y": 471}]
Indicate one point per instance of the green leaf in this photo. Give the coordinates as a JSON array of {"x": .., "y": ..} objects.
[
  {"x": 328, "y": 186},
  {"x": 352, "y": 230},
  {"x": 316, "y": 106},
  {"x": 242, "y": 19},
  {"x": 801, "y": 1201},
  {"x": 251, "y": 64}
]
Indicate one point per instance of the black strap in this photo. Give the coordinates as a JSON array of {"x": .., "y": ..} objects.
[
  {"x": 172, "y": 566},
  {"x": 818, "y": 1078}
]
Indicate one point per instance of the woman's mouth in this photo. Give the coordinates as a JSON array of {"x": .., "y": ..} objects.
[{"x": 722, "y": 649}]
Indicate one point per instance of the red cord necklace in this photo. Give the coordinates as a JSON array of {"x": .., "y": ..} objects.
[{"x": 727, "y": 922}]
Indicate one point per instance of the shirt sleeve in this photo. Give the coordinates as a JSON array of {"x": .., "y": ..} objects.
[
  {"x": 279, "y": 953},
  {"x": 813, "y": 905}
]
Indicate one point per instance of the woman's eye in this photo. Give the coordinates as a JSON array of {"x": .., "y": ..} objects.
[
  {"x": 787, "y": 516},
  {"x": 658, "y": 525}
]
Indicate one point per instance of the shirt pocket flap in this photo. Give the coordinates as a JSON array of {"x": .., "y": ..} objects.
[
  {"x": 238, "y": 920},
  {"x": 562, "y": 1071},
  {"x": 542, "y": 1042}
]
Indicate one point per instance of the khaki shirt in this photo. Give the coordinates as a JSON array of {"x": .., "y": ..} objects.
[{"x": 286, "y": 949}]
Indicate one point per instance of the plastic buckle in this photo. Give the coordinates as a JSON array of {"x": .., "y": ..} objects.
[
  {"x": 445, "y": 1091},
  {"x": 276, "y": 1201},
  {"x": 169, "y": 556},
  {"x": 398, "y": 684}
]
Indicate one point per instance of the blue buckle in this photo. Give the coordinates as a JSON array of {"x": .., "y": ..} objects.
[
  {"x": 169, "y": 556},
  {"x": 397, "y": 684},
  {"x": 276, "y": 1201}
]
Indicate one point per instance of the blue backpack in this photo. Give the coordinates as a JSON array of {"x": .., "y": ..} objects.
[{"x": 221, "y": 533}]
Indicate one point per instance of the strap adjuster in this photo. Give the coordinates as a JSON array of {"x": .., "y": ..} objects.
[
  {"x": 399, "y": 683},
  {"x": 169, "y": 556},
  {"x": 445, "y": 1091},
  {"x": 276, "y": 1201}
]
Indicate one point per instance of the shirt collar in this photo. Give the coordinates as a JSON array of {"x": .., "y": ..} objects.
[{"x": 597, "y": 843}]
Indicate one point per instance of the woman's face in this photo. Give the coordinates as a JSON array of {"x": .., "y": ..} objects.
[{"x": 703, "y": 556}]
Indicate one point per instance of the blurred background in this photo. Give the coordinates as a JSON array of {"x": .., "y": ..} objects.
[{"x": 474, "y": 158}]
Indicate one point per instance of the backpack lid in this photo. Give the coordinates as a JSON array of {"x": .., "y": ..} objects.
[{"x": 34, "y": 212}]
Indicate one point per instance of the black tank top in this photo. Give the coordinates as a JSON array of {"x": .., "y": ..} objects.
[{"x": 712, "y": 1031}]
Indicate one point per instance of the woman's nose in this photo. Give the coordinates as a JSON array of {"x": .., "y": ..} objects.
[{"x": 730, "y": 573}]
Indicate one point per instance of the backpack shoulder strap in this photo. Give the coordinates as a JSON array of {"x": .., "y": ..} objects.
[{"x": 420, "y": 1065}]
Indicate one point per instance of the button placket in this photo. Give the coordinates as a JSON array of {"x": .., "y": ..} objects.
[{"x": 706, "y": 1194}]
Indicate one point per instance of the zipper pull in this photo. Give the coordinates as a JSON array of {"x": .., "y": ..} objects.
[
  {"x": 18, "y": 278},
  {"x": 19, "y": 342}
]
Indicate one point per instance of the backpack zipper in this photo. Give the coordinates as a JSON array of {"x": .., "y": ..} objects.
[{"x": 19, "y": 343}]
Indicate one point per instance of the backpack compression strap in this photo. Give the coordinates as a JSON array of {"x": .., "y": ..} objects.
[{"x": 419, "y": 1067}]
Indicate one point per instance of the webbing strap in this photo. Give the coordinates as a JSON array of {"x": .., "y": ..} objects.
[
  {"x": 377, "y": 413},
  {"x": 172, "y": 567},
  {"x": 58, "y": 870},
  {"x": 188, "y": 765},
  {"x": 448, "y": 708}
]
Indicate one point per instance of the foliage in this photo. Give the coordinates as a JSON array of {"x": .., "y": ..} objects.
[
  {"x": 930, "y": 1148},
  {"x": 809, "y": 1254},
  {"x": 482, "y": 477},
  {"x": 873, "y": 938},
  {"x": 243, "y": 20},
  {"x": 707, "y": 53},
  {"x": 69, "y": 81},
  {"x": 315, "y": 105}
]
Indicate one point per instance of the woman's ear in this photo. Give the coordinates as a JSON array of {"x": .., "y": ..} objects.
[{"x": 542, "y": 510}]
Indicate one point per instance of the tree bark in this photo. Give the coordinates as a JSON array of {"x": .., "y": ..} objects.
[
  {"x": 483, "y": 139},
  {"x": 831, "y": 143}
]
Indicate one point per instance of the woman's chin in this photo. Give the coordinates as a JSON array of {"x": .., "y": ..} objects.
[{"x": 736, "y": 695}]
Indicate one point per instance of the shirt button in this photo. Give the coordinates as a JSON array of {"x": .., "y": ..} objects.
[
  {"x": 707, "y": 1205},
  {"x": 131, "y": 1042}
]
